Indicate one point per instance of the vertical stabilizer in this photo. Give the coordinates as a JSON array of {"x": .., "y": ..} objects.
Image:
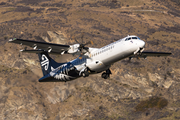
[{"x": 47, "y": 63}]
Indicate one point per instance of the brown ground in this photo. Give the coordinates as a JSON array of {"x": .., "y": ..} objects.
[{"x": 132, "y": 84}]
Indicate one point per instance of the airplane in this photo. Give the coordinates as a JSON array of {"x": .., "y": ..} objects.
[{"x": 89, "y": 60}]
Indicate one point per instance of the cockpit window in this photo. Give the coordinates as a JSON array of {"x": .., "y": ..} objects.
[
  {"x": 131, "y": 38},
  {"x": 127, "y": 38},
  {"x": 134, "y": 38}
]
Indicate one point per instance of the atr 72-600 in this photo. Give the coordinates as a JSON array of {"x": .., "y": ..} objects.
[{"x": 89, "y": 60}]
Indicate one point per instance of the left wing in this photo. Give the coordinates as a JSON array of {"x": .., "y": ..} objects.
[
  {"x": 153, "y": 54},
  {"x": 50, "y": 47}
]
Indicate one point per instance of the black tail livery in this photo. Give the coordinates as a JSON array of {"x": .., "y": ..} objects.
[{"x": 47, "y": 63}]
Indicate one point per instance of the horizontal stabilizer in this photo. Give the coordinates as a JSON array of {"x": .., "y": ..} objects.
[{"x": 48, "y": 78}]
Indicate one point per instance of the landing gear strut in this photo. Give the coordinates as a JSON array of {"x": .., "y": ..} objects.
[
  {"x": 106, "y": 74},
  {"x": 85, "y": 73}
]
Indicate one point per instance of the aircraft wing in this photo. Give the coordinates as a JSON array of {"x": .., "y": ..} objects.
[
  {"x": 50, "y": 47},
  {"x": 153, "y": 54}
]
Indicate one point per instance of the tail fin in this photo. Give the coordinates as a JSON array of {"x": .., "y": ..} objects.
[{"x": 47, "y": 63}]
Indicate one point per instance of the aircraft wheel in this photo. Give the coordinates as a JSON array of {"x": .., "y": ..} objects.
[
  {"x": 85, "y": 74},
  {"x": 105, "y": 75}
]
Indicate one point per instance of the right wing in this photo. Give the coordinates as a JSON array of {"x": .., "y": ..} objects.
[
  {"x": 50, "y": 47},
  {"x": 156, "y": 54},
  {"x": 152, "y": 54}
]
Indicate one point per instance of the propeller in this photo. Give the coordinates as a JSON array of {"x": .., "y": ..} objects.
[{"x": 82, "y": 45}]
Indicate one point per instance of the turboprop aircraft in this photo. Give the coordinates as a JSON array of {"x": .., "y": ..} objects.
[{"x": 89, "y": 60}]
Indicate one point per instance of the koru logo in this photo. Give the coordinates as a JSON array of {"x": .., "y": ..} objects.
[{"x": 45, "y": 62}]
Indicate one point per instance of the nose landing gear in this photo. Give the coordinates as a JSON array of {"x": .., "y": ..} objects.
[{"x": 106, "y": 74}]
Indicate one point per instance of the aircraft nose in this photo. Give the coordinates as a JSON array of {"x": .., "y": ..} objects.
[{"x": 141, "y": 43}]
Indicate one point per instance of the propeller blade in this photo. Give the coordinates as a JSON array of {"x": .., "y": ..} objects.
[
  {"x": 86, "y": 48},
  {"x": 90, "y": 42},
  {"x": 82, "y": 45},
  {"x": 76, "y": 40},
  {"x": 87, "y": 43},
  {"x": 82, "y": 37}
]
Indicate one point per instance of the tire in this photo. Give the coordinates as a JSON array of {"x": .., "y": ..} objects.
[
  {"x": 85, "y": 74},
  {"x": 105, "y": 75}
]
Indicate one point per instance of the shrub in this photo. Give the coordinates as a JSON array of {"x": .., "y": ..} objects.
[
  {"x": 114, "y": 1},
  {"x": 153, "y": 102}
]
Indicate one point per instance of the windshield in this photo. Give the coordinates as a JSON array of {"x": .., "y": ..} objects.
[
  {"x": 134, "y": 38},
  {"x": 129, "y": 38}
]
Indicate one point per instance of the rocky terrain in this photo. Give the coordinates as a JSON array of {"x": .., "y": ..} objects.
[{"x": 140, "y": 89}]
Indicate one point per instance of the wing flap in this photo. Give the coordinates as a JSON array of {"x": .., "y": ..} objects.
[
  {"x": 32, "y": 51},
  {"x": 53, "y": 48}
]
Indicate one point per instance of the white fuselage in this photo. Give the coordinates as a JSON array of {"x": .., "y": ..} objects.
[{"x": 100, "y": 59}]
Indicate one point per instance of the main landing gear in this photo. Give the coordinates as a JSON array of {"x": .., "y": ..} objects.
[
  {"x": 85, "y": 73},
  {"x": 106, "y": 74}
]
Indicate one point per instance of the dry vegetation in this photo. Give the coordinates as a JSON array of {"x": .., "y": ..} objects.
[{"x": 154, "y": 102}]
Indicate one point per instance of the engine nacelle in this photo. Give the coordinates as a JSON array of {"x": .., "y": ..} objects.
[{"x": 74, "y": 48}]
